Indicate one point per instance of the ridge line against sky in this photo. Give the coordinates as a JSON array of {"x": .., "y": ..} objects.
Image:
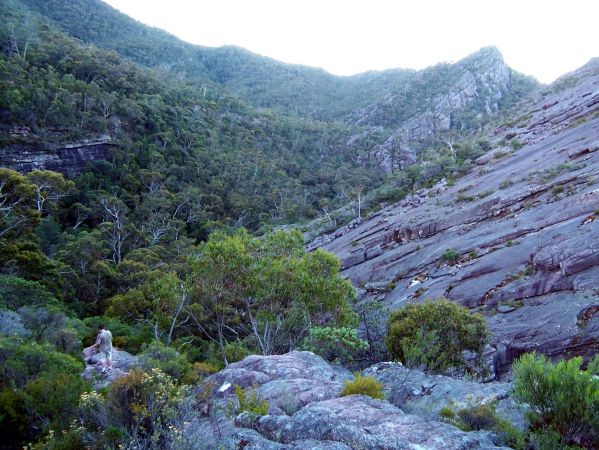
[{"x": 545, "y": 39}]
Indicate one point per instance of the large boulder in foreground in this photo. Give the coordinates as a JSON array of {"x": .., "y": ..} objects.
[{"x": 306, "y": 411}]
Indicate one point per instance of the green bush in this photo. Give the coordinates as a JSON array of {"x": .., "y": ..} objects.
[
  {"x": 435, "y": 335},
  {"x": 450, "y": 255},
  {"x": 334, "y": 344},
  {"x": 236, "y": 351},
  {"x": 479, "y": 417},
  {"x": 39, "y": 390},
  {"x": 157, "y": 356},
  {"x": 561, "y": 399},
  {"x": 16, "y": 292},
  {"x": 248, "y": 401},
  {"x": 363, "y": 385}
]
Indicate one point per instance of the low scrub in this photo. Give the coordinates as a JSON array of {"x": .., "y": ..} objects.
[{"x": 363, "y": 385}]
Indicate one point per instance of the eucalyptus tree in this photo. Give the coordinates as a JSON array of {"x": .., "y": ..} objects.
[{"x": 267, "y": 292}]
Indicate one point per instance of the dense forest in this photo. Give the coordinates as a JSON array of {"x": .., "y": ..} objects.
[{"x": 169, "y": 241}]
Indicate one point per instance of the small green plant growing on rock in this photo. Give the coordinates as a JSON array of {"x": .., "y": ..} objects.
[
  {"x": 450, "y": 255},
  {"x": 247, "y": 400},
  {"x": 516, "y": 144},
  {"x": 506, "y": 184},
  {"x": 475, "y": 417},
  {"x": 363, "y": 385},
  {"x": 478, "y": 417},
  {"x": 485, "y": 193}
]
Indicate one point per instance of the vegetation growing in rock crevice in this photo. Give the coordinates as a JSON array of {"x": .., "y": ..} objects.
[{"x": 364, "y": 386}]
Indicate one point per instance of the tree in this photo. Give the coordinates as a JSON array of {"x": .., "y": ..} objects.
[
  {"x": 221, "y": 271},
  {"x": 49, "y": 186},
  {"x": 436, "y": 334},
  {"x": 160, "y": 302},
  {"x": 295, "y": 291},
  {"x": 16, "y": 205},
  {"x": 269, "y": 292},
  {"x": 115, "y": 225}
]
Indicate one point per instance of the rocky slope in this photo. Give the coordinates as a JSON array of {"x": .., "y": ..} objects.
[
  {"x": 306, "y": 411},
  {"x": 522, "y": 226}
]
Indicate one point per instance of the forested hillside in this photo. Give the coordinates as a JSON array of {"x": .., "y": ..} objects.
[{"x": 200, "y": 145}]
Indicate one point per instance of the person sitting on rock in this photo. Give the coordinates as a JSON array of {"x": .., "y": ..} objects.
[{"x": 104, "y": 343}]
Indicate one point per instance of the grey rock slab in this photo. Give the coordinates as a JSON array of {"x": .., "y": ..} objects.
[
  {"x": 425, "y": 395},
  {"x": 362, "y": 422},
  {"x": 293, "y": 365}
]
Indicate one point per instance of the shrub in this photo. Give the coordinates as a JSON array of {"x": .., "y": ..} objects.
[
  {"x": 157, "y": 356},
  {"x": 236, "y": 351},
  {"x": 12, "y": 325},
  {"x": 435, "y": 334},
  {"x": 334, "y": 344},
  {"x": 143, "y": 409},
  {"x": 39, "y": 390},
  {"x": 516, "y": 144},
  {"x": 363, "y": 385},
  {"x": 450, "y": 255},
  {"x": 561, "y": 399},
  {"x": 16, "y": 292},
  {"x": 506, "y": 184},
  {"x": 248, "y": 401},
  {"x": 446, "y": 413},
  {"x": 479, "y": 417}
]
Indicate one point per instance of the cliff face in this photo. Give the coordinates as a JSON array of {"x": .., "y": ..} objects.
[
  {"x": 522, "y": 226},
  {"x": 68, "y": 159}
]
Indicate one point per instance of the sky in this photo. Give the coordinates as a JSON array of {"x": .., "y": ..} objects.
[{"x": 542, "y": 38}]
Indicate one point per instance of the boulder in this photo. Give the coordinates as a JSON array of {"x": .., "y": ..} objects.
[{"x": 122, "y": 362}]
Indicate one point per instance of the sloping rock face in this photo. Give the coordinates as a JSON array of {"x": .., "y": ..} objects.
[
  {"x": 425, "y": 395},
  {"x": 306, "y": 411},
  {"x": 524, "y": 224}
]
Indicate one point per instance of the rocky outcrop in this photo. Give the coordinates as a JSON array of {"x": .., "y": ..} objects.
[
  {"x": 122, "y": 362},
  {"x": 485, "y": 77},
  {"x": 68, "y": 159},
  {"x": 306, "y": 411},
  {"x": 524, "y": 223}
]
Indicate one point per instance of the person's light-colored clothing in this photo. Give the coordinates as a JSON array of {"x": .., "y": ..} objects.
[
  {"x": 105, "y": 355},
  {"x": 105, "y": 345}
]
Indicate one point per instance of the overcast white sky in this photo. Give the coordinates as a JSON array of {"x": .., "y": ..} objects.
[{"x": 542, "y": 38}]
